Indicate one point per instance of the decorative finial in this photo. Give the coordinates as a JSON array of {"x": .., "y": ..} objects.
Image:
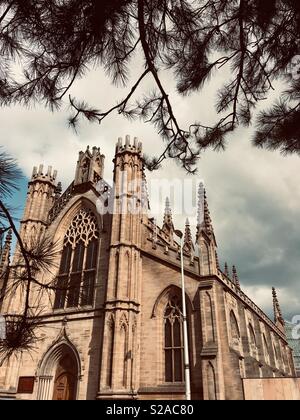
[
  {"x": 276, "y": 306},
  {"x": 168, "y": 226},
  {"x": 204, "y": 221},
  {"x": 226, "y": 271},
  {"x": 278, "y": 318},
  {"x": 200, "y": 211},
  {"x": 217, "y": 261},
  {"x": 168, "y": 213},
  {"x": 34, "y": 171},
  {"x": 188, "y": 245},
  {"x": 41, "y": 169},
  {"x": 235, "y": 277}
]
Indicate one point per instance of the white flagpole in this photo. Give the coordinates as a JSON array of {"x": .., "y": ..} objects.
[{"x": 185, "y": 329}]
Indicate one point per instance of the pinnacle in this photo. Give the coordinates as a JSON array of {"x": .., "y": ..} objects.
[{"x": 235, "y": 277}]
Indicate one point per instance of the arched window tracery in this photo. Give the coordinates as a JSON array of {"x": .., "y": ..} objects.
[
  {"x": 173, "y": 323},
  {"x": 77, "y": 273}
]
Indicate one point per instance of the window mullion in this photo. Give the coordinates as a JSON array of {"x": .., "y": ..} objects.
[
  {"x": 70, "y": 273},
  {"x": 83, "y": 273},
  {"x": 83, "y": 226},
  {"x": 182, "y": 348},
  {"x": 173, "y": 351}
]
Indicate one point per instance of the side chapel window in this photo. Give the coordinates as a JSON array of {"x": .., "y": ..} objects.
[
  {"x": 173, "y": 324},
  {"x": 252, "y": 337},
  {"x": 77, "y": 272},
  {"x": 235, "y": 332},
  {"x": 266, "y": 349}
]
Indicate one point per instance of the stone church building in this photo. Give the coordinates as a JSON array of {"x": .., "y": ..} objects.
[{"x": 112, "y": 329}]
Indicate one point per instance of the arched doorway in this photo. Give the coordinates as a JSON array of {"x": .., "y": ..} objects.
[
  {"x": 59, "y": 373},
  {"x": 65, "y": 379}
]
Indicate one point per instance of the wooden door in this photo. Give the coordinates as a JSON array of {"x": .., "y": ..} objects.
[
  {"x": 64, "y": 387},
  {"x": 65, "y": 380}
]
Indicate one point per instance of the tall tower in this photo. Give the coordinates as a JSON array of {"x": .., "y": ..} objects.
[
  {"x": 119, "y": 373},
  {"x": 40, "y": 199},
  {"x": 89, "y": 169},
  {"x": 205, "y": 237}
]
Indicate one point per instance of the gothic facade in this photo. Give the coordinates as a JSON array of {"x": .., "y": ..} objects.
[{"x": 112, "y": 329}]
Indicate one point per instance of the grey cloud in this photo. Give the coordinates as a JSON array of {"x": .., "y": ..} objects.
[{"x": 254, "y": 195}]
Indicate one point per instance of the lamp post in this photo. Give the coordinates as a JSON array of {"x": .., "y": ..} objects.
[{"x": 185, "y": 330}]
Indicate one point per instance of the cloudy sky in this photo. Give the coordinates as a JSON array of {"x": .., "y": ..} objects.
[{"x": 254, "y": 195}]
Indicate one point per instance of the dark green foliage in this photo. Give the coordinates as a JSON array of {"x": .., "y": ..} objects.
[{"x": 56, "y": 42}]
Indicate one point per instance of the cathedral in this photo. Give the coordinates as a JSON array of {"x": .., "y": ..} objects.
[{"x": 113, "y": 326}]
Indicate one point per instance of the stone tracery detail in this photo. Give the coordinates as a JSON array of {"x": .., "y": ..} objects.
[
  {"x": 83, "y": 228},
  {"x": 123, "y": 322},
  {"x": 173, "y": 346},
  {"x": 77, "y": 272}
]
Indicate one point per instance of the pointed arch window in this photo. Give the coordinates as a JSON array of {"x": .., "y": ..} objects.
[
  {"x": 205, "y": 258},
  {"x": 77, "y": 273},
  {"x": 266, "y": 349},
  {"x": 276, "y": 355},
  {"x": 252, "y": 340},
  {"x": 235, "y": 332},
  {"x": 173, "y": 324},
  {"x": 211, "y": 382}
]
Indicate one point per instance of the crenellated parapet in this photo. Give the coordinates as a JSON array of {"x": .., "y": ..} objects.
[
  {"x": 38, "y": 174},
  {"x": 128, "y": 146}
]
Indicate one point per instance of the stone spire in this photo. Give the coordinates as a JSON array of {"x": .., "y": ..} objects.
[
  {"x": 188, "y": 245},
  {"x": 204, "y": 222},
  {"x": 168, "y": 226},
  {"x": 276, "y": 306},
  {"x": 235, "y": 277},
  {"x": 278, "y": 318},
  {"x": 205, "y": 238}
]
